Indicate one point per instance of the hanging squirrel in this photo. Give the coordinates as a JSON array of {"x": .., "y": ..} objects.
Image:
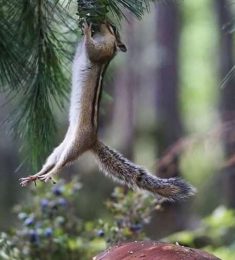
[{"x": 92, "y": 57}]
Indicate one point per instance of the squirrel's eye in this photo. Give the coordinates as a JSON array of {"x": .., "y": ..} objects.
[{"x": 122, "y": 47}]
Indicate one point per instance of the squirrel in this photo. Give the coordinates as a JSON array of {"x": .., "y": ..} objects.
[{"x": 92, "y": 58}]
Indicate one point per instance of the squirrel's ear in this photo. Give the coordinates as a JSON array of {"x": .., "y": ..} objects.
[{"x": 121, "y": 46}]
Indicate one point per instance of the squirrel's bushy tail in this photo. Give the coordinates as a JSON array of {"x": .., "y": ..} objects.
[{"x": 113, "y": 164}]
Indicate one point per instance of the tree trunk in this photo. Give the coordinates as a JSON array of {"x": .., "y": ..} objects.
[
  {"x": 10, "y": 190},
  {"x": 227, "y": 104},
  {"x": 169, "y": 122},
  {"x": 167, "y": 83}
]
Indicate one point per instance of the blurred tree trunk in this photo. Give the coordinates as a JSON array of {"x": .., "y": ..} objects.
[
  {"x": 169, "y": 125},
  {"x": 167, "y": 83},
  {"x": 227, "y": 104},
  {"x": 10, "y": 190},
  {"x": 124, "y": 85}
]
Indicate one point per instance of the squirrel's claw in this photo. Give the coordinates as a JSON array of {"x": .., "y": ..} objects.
[
  {"x": 86, "y": 28},
  {"x": 27, "y": 180},
  {"x": 46, "y": 178}
]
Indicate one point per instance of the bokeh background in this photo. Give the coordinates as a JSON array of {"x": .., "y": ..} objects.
[{"x": 169, "y": 104}]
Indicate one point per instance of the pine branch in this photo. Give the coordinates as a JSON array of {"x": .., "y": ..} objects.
[
  {"x": 46, "y": 83},
  {"x": 9, "y": 49},
  {"x": 41, "y": 30},
  {"x": 96, "y": 11}
]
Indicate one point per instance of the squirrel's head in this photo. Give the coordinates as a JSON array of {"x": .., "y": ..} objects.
[{"x": 114, "y": 31}]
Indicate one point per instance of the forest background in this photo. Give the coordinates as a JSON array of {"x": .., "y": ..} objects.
[{"x": 169, "y": 104}]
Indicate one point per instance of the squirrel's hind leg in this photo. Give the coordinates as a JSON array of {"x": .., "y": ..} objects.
[{"x": 70, "y": 153}]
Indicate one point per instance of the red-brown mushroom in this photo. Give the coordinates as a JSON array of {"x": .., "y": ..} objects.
[{"x": 149, "y": 250}]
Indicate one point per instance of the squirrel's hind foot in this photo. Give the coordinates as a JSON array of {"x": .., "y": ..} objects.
[
  {"x": 34, "y": 178},
  {"x": 27, "y": 180},
  {"x": 47, "y": 177}
]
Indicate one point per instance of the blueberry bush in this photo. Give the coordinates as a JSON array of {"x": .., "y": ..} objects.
[{"x": 49, "y": 226}]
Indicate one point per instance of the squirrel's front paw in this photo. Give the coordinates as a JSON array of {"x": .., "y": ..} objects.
[{"x": 87, "y": 29}]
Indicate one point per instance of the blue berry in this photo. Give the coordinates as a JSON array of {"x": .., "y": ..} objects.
[
  {"x": 33, "y": 236},
  {"x": 29, "y": 221},
  {"x": 136, "y": 227},
  {"x": 48, "y": 232},
  {"x": 44, "y": 203},
  {"x": 57, "y": 190},
  {"x": 100, "y": 233},
  {"x": 62, "y": 202}
]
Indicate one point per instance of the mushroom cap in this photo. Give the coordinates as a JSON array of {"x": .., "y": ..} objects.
[{"x": 150, "y": 250}]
